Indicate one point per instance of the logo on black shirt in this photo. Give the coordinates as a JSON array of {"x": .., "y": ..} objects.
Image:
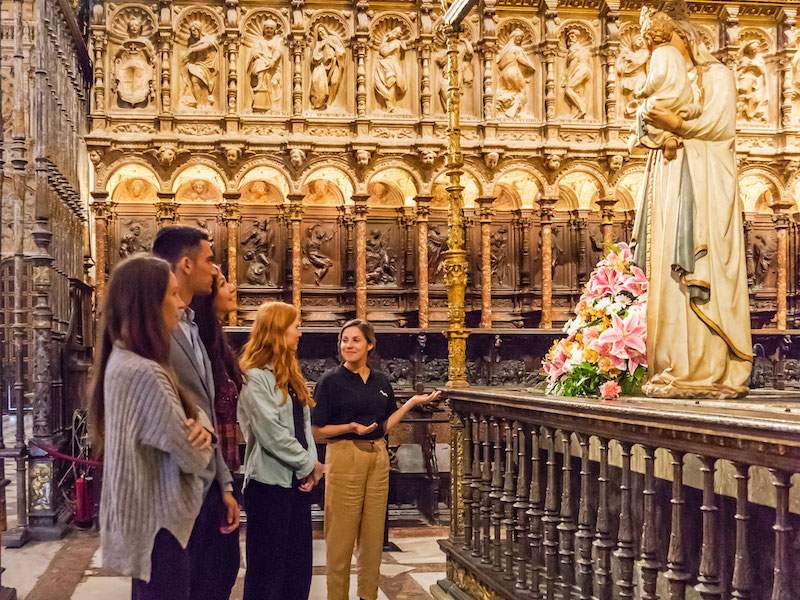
[{"x": 385, "y": 395}]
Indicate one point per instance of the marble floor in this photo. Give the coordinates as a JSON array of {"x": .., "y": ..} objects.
[{"x": 71, "y": 569}]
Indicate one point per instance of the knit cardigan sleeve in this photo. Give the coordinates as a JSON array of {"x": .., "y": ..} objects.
[{"x": 162, "y": 424}]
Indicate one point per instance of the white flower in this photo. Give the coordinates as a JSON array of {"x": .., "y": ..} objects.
[
  {"x": 574, "y": 360},
  {"x": 573, "y": 326},
  {"x": 603, "y": 302}
]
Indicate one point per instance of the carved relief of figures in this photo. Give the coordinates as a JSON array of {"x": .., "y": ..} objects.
[
  {"x": 751, "y": 75},
  {"x": 498, "y": 255},
  {"x": 391, "y": 79},
  {"x": 199, "y": 67},
  {"x": 40, "y": 486},
  {"x": 134, "y": 240},
  {"x": 437, "y": 242},
  {"x": 204, "y": 225},
  {"x": 764, "y": 251},
  {"x": 259, "y": 253},
  {"x": 133, "y": 80},
  {"x": 381, "y": 266},
  {"x": 631, "y": 71},
  {"x": 264, "y": 68},
  {"x": 578, "y": 73},
  {"x": 515, "y": 69},
  {"x": 313, "y": 254},
  {"x": 327, "y": 67},
  {"x": 466, "y": 72}
]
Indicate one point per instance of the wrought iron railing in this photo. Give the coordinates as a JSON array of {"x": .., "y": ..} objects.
[{"x": 584, "y": 499}]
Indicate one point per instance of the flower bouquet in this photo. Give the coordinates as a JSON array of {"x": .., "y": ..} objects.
[{"x": 604, "y": 353}]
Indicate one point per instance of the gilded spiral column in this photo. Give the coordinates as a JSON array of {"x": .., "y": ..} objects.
[
  {"x": 423, "y": 213},
  {"x": 781, "y": 220},
  {"x": 485, "y": 215},
  {"x": 455, "y": 258},
  {"x": 231, "y": 217},
  {"x": 360, "y": 212},
  {"x": 294, "y": 213},
  {"x": 546, "y": 219},
  {"x": 103, "y": 211}
]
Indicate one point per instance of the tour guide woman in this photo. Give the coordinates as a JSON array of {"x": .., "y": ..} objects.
[{"x": 355, "y": 409}]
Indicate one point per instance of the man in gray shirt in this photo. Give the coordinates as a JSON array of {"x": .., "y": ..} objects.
[{"x": 214, "y": 543}]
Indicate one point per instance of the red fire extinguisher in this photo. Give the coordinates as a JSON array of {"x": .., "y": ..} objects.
[{"x": 83, "y": 502}]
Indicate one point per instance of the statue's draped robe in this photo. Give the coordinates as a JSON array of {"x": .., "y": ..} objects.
[{"x": 689, "y": 218}]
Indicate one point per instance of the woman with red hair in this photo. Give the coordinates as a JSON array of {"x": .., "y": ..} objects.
[{"x": 281, "y": 464}]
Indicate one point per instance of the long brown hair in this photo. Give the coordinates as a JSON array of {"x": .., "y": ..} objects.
[
  {"x": 132, "y": 315},
  {"x": 267, "y": 347}
]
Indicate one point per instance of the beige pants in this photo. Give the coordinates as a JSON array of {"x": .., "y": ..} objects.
[{"x": 356, "y": 493}]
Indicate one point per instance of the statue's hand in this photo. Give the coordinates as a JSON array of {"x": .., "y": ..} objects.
[{"x": 663, "y": 118}]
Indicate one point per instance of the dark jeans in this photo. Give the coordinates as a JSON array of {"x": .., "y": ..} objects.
[
  {"x": 278, "y": 543},
  {"x": 170, "y": 572},
  {"x": 214, "y": 556}
]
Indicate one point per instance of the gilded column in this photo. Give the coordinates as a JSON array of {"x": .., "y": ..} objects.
[
  {"x": 294, "y": 213},
  {"x": 781, "y": 220},
  {"x": 747, "y": 225},
  {"x": 546, "y": 219},
  {"x": 230, "y": 216},
  {"x": 485, "y": 215},
  {"x": 103, "y": 211},
  {"x": 524, "y": 225},
  {"x": 580, "y": 224},
  {"x": 607, "y": 219},
  {"x": 455, "y": 258},
  {"x": 346, "y": 219},
  {"x": 423, "y": 213},
  {"x": 360, "y": 212},
  {"x": 166, "y": 209},
  {"x": 407, "y": 220}
]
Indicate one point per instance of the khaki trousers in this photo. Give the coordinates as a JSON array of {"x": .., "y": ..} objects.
[{"x": 356, "y": 493}]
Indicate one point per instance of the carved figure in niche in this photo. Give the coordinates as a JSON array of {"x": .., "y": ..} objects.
[
  {"x": 667, "y": 85},
  {"x": 203, "y": 224},
  {"x": 326, "y": 68},
  {"x": 136, "y": 190},
  {"x": 200, "y": 68},
  {"x": 751, "y": 84},
  {"x": 381, "y": 266},
  {"x": 515, "y": 69},
  {"x": 199, "y": 190},
  {"x": 259, "y": 253},
  {"x": 466, "y": 72},
  {"x": 764, "y": 252},
  {"x": 313, "y": 255},
  {"x": 498, "y": 254},
  {"x": 134, "y": 68},
  {"x": 437, "y": 241},
  {"x": 390, "y": 76},
  {"x": 264, "y": 69},
  {"x": 134, "y": 240},
  {"x": 632, "y": 72},
  {"x": 578, "y": 73}
]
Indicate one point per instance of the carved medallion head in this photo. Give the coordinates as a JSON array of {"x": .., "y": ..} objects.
[
  {"x": 615, "y": 162},
  {"x": 166, "y": 154},
  {"x": 136, "y": 188},
  {"x": 199, "y": 187},
  {"x": 135, "y": 26},
  {"x": 297, "y": 157},
  {"x": 429, "y": 157},
  {"x": 95, "y": 156},
  {"x": 259, "y": 188},
  {"x": 362, "y": 157},
  {"x": 231, "y": 154},
  {"x": 491, "y": 159},
  {"x": 553, "y": 162},
  {"x": 269, "y": 28},
  {"x": 195, "y": 31}
]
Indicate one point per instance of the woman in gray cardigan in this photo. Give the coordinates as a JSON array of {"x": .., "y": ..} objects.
[
  {"x": 153, "y": 439},
  {"x": 281, "y": 464}
]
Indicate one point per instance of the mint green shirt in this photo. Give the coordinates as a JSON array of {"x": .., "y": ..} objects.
[{"x": 273, "y": 454}]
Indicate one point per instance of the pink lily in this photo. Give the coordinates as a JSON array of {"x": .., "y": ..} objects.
[{"x": 626, "y": 333}]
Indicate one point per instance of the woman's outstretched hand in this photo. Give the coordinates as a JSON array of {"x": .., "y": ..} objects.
[
  {"x": 360, "y": 429},
  {"x": 424, "y": 398}
]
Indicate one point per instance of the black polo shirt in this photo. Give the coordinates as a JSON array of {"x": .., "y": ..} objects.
[{"x": 342, "y": 397}]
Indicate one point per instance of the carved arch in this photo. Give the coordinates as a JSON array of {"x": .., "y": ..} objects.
[
  {"x": 334, "y": 22},
  {"x": 586, "y": 33},
  {"x": 333, "y": 173},
  {"x": 526, "y": 184},
  {"x": 389, "y": 20},
  {"x": 589, "y": 170},
  {"x": 127, "y": 168},
  {"x": 398, "y": 174},
  {"x": 119, "y": 17},
  {"x": 258, "y": 166},
  {"x": 758, "y": 188},
  {"x": 206, "y": 16},
  {"x": 199, "y": 168},
  {"x": 253, "y": 22},
  {"x": 384, "y": 164}
]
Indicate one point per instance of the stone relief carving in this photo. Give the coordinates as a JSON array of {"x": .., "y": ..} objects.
[
  {"x": 134, "y": 66},
  {"x": 166, "y": 153},
  {"x": 205, "y": 225},
  {"x": 515, "y": 68},
  {"x": 40, "y": 485},
  {"x": 437, "y": 244},
  {"x": 381, "y": 266},
  {"x": 264, "y": 68},
  {"x": 313, "y": 254},
  {"x": 631, "y": 70},
  {"x": 259, "y": 253},
  {"x": 578, "y": 72},
  {"x": 498, "y": 256},
  {"x": 764, "y": 252},
  {"x": 327, "y": 67},
  {"x": 135, "y": 239},
  {"x": 391, "y": 76},
  {"x": 199, "y": 66},
  {"x": 751, "y": 83},
  {"x": 297, "y": 157},
  {"x": 466, "y": 72},
  {"x": 198, "y": 190}
]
